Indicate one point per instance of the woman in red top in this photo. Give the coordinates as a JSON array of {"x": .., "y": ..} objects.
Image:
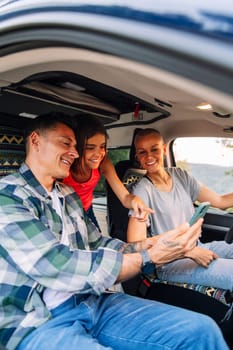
[{"x": 92, "y": 162}]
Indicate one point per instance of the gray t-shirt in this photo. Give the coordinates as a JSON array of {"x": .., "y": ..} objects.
[{"x": 171, "y": 208}]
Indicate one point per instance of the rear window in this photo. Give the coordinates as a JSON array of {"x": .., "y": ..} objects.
[{"x": 115, "y": 155}]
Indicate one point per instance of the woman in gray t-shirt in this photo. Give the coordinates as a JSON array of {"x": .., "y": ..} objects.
[{"x": 171, "y": 193}]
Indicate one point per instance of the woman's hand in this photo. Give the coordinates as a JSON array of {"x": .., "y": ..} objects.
[
  {"x": 201, "y": 256},
  {"x": 128, "y": 200},
  {"x": 141, "y": 211}
]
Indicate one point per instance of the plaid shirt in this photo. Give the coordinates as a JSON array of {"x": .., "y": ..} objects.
[{"x": 32, "y": 257}]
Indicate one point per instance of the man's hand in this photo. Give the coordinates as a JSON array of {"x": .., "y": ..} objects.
[
  {"x": 174, "y": 244},
  {"x": 163, "y": 248},
  {"x": 201, "y": 256}
]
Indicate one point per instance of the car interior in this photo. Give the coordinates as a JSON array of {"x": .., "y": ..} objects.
[{"x": 125, "y": 94}]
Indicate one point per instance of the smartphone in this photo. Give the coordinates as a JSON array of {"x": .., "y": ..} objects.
[{"x": 199, "y": 212}]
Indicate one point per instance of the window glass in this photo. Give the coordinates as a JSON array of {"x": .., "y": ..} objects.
[
  {"x": 115, "y": 155},
  {"x": 210, "y": 160}
]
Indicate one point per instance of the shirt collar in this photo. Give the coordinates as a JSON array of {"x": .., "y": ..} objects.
[{"x": 32, "y": 181}]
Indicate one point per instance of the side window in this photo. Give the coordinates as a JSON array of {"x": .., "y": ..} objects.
[
  {"x": 118, "y": 154},
  {"x": 209, "y": 160},
  {"x": 115, "y": 155}
]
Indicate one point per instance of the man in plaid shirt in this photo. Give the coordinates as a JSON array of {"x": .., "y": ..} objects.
[{"x": 56, "y": 267}]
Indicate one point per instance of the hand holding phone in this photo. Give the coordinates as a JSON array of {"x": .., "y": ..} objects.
[{"x": 199, "y": 212}]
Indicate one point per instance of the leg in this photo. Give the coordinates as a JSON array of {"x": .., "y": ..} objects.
[
  {"x": 218, "y": 274},
  {"x": 65, "y": 331},
  {"x": 223, "y": 249},
  {"x": 130, "y": 323},
  {"x": 119, "y": 321}
]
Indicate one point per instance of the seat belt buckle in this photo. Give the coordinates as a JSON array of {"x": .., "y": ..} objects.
[{"x": 144, "y": 285}]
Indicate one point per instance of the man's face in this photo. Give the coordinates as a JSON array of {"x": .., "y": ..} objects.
[{"x": 54, "y": 152}]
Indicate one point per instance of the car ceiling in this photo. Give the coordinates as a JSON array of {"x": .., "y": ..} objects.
[{"x": 121, "y": 92}]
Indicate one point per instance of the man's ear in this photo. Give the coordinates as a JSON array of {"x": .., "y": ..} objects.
[{"x": 34, "y": 139}]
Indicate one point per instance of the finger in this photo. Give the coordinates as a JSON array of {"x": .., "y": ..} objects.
[
  {"x": 149, "y": 210},
  {"x": 141, "y": 219},
  {"x": 139, "y": 215},
  {"x": 143, "y": 213},
  {"x": 192, "y": 235},
  {"x": 194, "y": 231},
  {"x": 204, "y": 263},
  {"x": 178, "y": 231},
  {"x": 145, "y": 210}
]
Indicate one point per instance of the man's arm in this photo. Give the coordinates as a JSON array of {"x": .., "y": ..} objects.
[
  {"x": 33, "y": 247},
  {"x": 162, "y": 249}
]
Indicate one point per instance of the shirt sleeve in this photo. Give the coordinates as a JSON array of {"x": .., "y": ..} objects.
[
  {"x": 190, "y": 183},
  {"x": 33, "y": 248},
  {"x": 141, "y": 190}
]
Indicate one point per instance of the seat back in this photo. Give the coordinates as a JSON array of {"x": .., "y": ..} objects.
[
  {"x": 12, "y": 152},
  {"x": 117, "y": 214}
]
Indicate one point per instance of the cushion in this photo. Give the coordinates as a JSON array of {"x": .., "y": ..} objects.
[{"x": 12, "y": 152}]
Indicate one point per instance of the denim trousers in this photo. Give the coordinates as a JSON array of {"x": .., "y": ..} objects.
[
  {"x": 218, "y": 274},
  {"x": 121, "y": 322}
]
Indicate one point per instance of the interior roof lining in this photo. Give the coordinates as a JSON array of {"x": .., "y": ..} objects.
[
  {"x": 78, "y": 61},
  {"x": 74, "y": 60}
]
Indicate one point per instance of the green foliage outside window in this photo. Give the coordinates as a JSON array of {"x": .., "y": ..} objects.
[{"x": 115, "y": 155}]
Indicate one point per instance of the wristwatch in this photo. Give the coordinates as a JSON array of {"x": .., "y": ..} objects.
[{"x": 148, "y": 267}]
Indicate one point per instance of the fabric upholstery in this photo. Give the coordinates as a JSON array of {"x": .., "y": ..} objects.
[{"x": 12, "y": 152}]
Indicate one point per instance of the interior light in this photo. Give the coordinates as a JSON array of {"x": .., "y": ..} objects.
[
  {"x": 28, "y": 115},
  {"x": 205, "y": 106}
]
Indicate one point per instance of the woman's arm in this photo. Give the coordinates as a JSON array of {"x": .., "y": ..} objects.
[
  {"x": 127, "y": 199},
  {"x": 216, "y": 200},
  {"x": 137, "y": 230}
]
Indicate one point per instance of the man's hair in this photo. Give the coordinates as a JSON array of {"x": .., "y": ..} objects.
[
  {"x": 46, "y": 122},
  {"x": 86, "y": 126}
]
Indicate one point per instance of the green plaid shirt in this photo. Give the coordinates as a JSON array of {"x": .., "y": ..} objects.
[{"x": 32, "y": 257}]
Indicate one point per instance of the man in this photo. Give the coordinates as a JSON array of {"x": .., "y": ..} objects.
[{"x": 56, "y": 266}]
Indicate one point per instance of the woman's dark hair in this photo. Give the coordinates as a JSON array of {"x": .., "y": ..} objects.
[{"x": 84, "y": 128}]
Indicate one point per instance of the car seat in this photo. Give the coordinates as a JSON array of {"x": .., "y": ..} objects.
[
  {"x": 12, "y": 152},
  {"x": 215, "y": 302}
]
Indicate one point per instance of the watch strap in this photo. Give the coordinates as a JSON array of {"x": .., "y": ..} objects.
[{"x": 148, "y": 267}]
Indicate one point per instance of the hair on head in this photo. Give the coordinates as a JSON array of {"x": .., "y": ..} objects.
[
  {"x": 86, "y": 127},
  {"x": 48, "y": 121},
  {"x": 146, "y": 132}
]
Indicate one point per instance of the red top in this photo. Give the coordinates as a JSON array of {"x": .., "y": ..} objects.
[{"x": 85, "y": 189}]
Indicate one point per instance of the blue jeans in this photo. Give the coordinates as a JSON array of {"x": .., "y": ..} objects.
[
  {"x": 218, "y": 274},
  {"x": 122, "y": 322}
]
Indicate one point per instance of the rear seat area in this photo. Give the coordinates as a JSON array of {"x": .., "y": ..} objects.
[{"x": 12, "y": 152}]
